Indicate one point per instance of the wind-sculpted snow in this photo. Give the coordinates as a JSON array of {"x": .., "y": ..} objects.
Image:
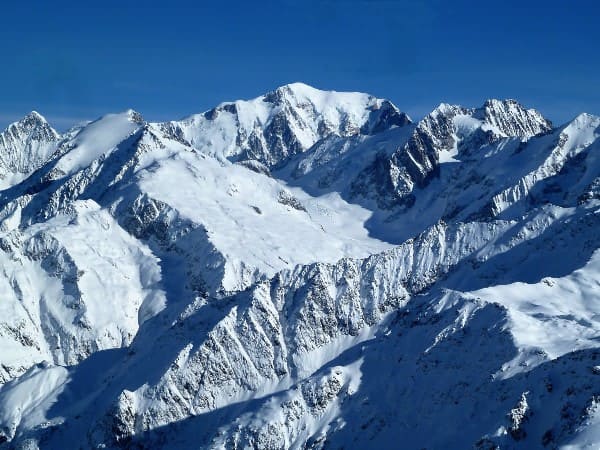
[{"x": 307, "y": 269}]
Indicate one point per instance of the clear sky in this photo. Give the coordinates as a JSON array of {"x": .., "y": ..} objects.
[{"x": 72, "y": 62}]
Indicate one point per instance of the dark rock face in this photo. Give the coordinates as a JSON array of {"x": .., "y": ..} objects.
[
  {"x": 277, "y": 140},
  {"x": 384, "y": 117},
  {"x": 512, "y": 119},
  {"x": 384, "y": 182},
  {"x": 414, "y": 164}
]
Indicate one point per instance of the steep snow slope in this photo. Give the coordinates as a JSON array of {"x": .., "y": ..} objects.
[
  {"x": 73, "y": 285},
  {"x": 230, "y": 281},
  {"x": 296, "y": 359}
]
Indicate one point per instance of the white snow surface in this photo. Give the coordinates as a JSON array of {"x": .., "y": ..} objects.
[
  {"x": 307, "y": 269},
  {"x": 96, "y": 140},
  {"x": 26, "y": 403},
  {"x": 246, "y": 221}
]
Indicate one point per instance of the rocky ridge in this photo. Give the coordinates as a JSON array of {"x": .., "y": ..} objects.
[{"x": 453, "y": 261}]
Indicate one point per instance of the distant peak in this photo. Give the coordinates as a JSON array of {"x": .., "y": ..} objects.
[
  {"x": 584, "y": 120},
  {"x": 34, "y": 115},
  {"x": 135, "y": 116},
  {"x": 585, "y": 117},
  {"x": 31, "y": 119},
  {"x": 129, "y": 114},
  {"x": 298, "y": 85},
  {"x": 27, "y": 144},
  {"x": 512, "y": 118},
  {"x": 296, "y": 89},
  {"x": 494, "y": 102},
  {"x": 303, "y": 90},
  {"x": 506, "y": 105},
  {"x": 490, "y": 106},
  {"x": 446, "y": 109},
  {"x": 30, "y": 123}
]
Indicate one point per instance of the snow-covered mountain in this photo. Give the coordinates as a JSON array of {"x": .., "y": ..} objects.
[
  {"x": 307, "y": 269},
  {"x": 282, "y": 123},
  {"x": 25, "y": 146}
]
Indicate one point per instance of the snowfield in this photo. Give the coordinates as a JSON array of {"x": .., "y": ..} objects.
[{"x": 304, "y": 270}]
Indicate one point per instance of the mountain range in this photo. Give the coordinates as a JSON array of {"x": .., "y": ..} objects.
[{"x": 306, "y": 270}]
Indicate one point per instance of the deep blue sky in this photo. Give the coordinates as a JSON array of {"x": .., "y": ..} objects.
[{"x": 73, "y": 62}]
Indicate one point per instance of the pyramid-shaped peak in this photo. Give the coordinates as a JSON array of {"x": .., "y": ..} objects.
[
  {"x": 511, "y": 118},
  {"x": 34, "y": 115},
  {"x": 26, "y": 144},
  {"x": 34, "y": 125},
  {"x": 31, "y": 120}
]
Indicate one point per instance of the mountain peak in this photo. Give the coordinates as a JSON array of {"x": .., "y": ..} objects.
[
  {"x": 504, "y": 106},
  {"x": 446, "y": 109},
  {"x": 585, "y": 117},
  {"x": 494, "y": 102},
  {"x": 582, "y": 121},
  {"x": 177, "y": 275},
  {"x": 283, "y": 122},
  {"x": 298, "y": 87},
  {"x": 34, "y": 115},
  {"x": 32, "y": 125},
  {"x": 26, "y": 144},
  {"x": 298, "y": 92},
  {"x": 135, "y": 116},
  {"x": 510, "y": 118},
  {"x": 29, "y": 122}
]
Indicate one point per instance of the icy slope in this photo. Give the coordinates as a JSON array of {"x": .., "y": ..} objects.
[{"x": 306, "y": 270}]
